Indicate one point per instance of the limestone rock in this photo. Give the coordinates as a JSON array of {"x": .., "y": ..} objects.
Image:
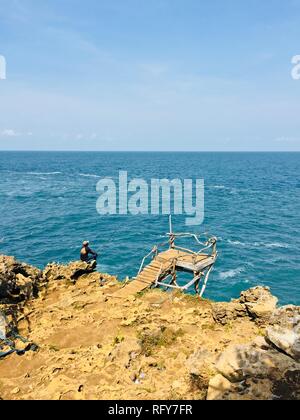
[
  {"x": 286, "y": 340},
  {"x": 287, "y": 387},
  {"x": 218, "y": 387},
  {"x": 240, "y": 362},
  {"x": 230, "y": 362},
  {"x": 226, "y": 312},
  {"x": 151, "y": 347},
  {"x": 124, "y": 351},
  {"x": 257, "y": 373},
  {"x": 259, "y": 301},
  {"x": 284, "y": 331},
  {"x": 71, "y": 271},
  {"x": 261, "y": 343},
  {"x": 18, "y": 282},
  {"x": 286, "y": 316},
  {"x": 200, "y": 362}
]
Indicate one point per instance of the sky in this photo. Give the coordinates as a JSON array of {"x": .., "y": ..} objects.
[{"x": 199, "y": 75}]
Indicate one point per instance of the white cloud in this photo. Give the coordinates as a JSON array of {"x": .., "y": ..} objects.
[{"x": 8, "y": 132}]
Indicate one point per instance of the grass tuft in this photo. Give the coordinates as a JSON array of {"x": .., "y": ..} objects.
[{"x": 165, "y": 337}]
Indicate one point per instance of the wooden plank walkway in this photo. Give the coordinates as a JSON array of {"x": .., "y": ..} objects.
[{"x": 163, "y": 262}]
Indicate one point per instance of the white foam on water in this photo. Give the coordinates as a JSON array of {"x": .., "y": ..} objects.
[
  {"x": 237, "y": 243},
  {"x": 231, "y": 273},
  {"x": 277, "y": 245},
  {"x": 223, "y": 187},
  {"x": 43, "y": 173},
  {"x": 258, "y": 244},
  {"x": 271, "y": 245},
  {"x": 218, "y": 187},
  {"x": 90, "y": 175}
]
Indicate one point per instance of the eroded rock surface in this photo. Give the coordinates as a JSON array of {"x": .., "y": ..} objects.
[
  {"x": 155, "y": 345},
  {"x": 257, "y": 302},
  {"x": 260, "y": 303},
  {"x": 268, "y": 368},
  {"x": 71, "y": 272},
  {"x": 284, "y": 331},
  {"x": 18, "y": 281}
]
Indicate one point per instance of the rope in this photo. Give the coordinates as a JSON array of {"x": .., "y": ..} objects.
[
  {"x": 13, "y": 349},
  {"x": 7, "y": 342}
]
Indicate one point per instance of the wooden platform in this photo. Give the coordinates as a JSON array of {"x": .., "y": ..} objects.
[{"x": 161, "y": 265}]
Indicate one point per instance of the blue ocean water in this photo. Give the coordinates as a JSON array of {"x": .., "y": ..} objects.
[{"x": 252, "y": 204}]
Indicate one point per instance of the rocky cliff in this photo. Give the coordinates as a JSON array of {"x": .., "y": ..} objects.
[{"x": 63, "y": 336}]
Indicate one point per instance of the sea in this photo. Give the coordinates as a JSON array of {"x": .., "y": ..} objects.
[{"x": 252, "y": 205}]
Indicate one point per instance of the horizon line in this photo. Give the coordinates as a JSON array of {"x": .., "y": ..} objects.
[{"x": 147, "y": 151}]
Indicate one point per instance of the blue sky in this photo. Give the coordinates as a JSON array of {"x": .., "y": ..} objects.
[{"x": 149, "y": 75}]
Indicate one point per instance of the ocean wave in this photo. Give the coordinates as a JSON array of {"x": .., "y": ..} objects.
[
  {"x": 16, "y": 194},
  {"x": 277, "y": 245},
  {"x": 224, "y": 188},
  {"x": 219, "y": 187},
  {"x": 90, "y": 175},
  {"x": 258, "y": 244},
  {"x": 237, "y": 243},
  {"x": 43, "y": 173},
  {"x": 231, "y": 273}
]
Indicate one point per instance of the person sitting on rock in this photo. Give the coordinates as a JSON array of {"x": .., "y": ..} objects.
[{"x": 86, "y": 254}]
